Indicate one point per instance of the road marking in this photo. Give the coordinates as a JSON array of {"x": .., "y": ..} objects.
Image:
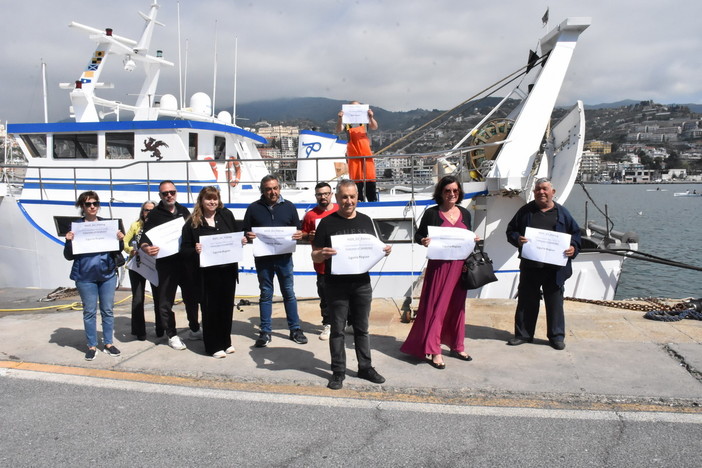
[{"x": 295, "y": 395}]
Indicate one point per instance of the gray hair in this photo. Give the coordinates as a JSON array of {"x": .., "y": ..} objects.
[
  {"x": 267, "y": 178},
  {"x": 345, "y": 183},
  {"x": 542, "y": 180}
]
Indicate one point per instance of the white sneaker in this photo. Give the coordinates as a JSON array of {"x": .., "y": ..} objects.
[
  {"x": 219, "y": 355},
  {"x": 230, "y": 350},
  {"x": 326, "y": 332},
  {"x": 194, "y": 336},
  {"x": 176, "y": 343}
]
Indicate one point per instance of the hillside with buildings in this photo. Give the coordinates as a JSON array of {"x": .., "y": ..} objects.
[{"x": 639, "y": 142}]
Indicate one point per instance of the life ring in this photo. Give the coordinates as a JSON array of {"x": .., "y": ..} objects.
[
  {"x": 213, "y": 166},
  {"x": 233, "y": 171}
]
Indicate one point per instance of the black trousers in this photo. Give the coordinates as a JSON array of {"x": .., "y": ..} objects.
[
  {"x": 531, "y": 282},
  {"x": 321, "y": 292},
  {"x": 172, "y": 272},
  {"x": 370, "y": 191},
  {"x": 218, "y": 290},
  {"x": 138, "y": 283},
  {"x": 349, "y": 302}
]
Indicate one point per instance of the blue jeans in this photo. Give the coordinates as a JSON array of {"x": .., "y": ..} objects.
[
  {"x": 266, "y": 268},
  {"x": 90, "y": 292}
]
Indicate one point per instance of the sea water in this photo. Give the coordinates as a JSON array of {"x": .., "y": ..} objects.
[{"x": 669, "y": 227}]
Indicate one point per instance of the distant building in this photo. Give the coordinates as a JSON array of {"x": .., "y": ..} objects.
[
  {"x": 638, "y": 175},
  {"x": 277, "y": 131},
  {"x": 590, "y": 162},
  {"x": 598, "y": 147}
]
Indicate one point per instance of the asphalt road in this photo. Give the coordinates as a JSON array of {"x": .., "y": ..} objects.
[{"x": 51, "y": 419}]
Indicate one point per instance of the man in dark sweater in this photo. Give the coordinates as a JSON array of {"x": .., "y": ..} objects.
[
  {"x": 172, "y": 270},
  {"x": 271, "y": 210},
  {"x": 534, "y": 277}
]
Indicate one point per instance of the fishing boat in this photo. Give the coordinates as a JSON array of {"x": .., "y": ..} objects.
[{"x": 149, "y": 140}]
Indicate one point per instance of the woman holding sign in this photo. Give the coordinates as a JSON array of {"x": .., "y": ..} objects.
[
  {"x": 217, "y": 281},
  {"x": 95, "y": 274},
  {"x": 138, "y": 282},
  {"x": 441, "y": 314}
]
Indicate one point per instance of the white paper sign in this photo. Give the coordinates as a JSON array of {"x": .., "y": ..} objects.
[
  {"x": 167, "y": 237},
  {"x": 355, "y": 253},
  {"x": 546, "y": 246},
  {"x": 95, "y": 236},
  {"x": 221, "y": 249},
  {"x": 449, "y": 243},
  {"x": 145, "y": 265},
  {"x": 273, "y": 240},
  {"x": 355, "y": 113}
]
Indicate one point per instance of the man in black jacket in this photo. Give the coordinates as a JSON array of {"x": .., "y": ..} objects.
[
  {"x": 542, "y": 213},
  {"x": 172, "y": 270}
]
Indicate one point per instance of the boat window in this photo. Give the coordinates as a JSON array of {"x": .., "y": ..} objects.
[
  {"x": 220, "y": 148},
  {"x": 36, "y": 145},
  {"x": 192, "y": 146},
  {"x": 394, "y": 230},
  {"x": 119, "y": 145},
  {"x": 75, "y": 146},
  {"x": 63, "y": 224}
]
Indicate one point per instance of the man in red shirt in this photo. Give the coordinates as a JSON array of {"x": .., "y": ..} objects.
[{"x": 325, "y": 207}]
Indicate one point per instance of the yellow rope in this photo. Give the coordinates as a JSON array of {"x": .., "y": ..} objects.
[{"x": 79, "y": 305}]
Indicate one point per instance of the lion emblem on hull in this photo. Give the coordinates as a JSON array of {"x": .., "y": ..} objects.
[{"x": 152, "y": 144}]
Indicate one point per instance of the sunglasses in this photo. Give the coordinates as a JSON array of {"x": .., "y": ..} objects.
[
  {"x": 168, "y": 192},
  {"x": 147, "y": 209},
  {"x": 451, "y": 191},
  {"x": 91, "y": 203}
]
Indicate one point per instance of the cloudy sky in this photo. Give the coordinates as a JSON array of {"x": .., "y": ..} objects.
[{"x": 395, "y": 54}]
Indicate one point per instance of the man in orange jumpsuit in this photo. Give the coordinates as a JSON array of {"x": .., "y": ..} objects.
[{"x": 359, "y": 155}]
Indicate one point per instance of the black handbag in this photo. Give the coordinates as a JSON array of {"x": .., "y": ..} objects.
[
  {"x": 118, "y": 258},
  {"x": 477, "y": 270}
]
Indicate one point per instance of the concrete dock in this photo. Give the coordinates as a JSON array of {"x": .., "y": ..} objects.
[{"x": 614, "y": 359}]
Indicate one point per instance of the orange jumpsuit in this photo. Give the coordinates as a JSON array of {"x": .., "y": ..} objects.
[{"x": 359, "y": 145}]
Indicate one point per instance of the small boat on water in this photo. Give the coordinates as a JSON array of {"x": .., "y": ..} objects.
[
  {"x": 124, "y": 160},
  {"x": 687, "y": 193}
]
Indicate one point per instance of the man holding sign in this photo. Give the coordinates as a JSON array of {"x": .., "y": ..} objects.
[
  {"x": 325, "y": 207},
  {"x": 542, "y": 214},
  {"x": 348, "y": 296},
  {"x": 172, "y": 270},
  {"x": 272, "y": 211},
  {"x": 356, "y": 118}
]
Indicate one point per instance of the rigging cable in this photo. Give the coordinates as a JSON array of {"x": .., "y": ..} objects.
[{"x": 507, "y": 80}]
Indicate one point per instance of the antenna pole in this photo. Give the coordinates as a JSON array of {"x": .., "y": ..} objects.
[
  {"x": 46, "y": 98},
  {"x": 236, "y": 67},
  {"x": 185, "y": 72},
  {"x": 214, "y": 79},
  {"x": 181, "y": 97}
]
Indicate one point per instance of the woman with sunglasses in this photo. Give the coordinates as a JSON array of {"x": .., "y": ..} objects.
[
  {"x": 217, "y": 284},
  {"x": 138, "y": 282},
  {"x": 441, "y": 314},
  {"x": 95, "y": 275}
]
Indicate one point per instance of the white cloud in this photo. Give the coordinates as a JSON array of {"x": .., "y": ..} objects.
[{"x": 394, "y": 54}]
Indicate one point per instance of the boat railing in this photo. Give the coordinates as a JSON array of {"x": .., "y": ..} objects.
[{"x": 408, "y": 172}]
